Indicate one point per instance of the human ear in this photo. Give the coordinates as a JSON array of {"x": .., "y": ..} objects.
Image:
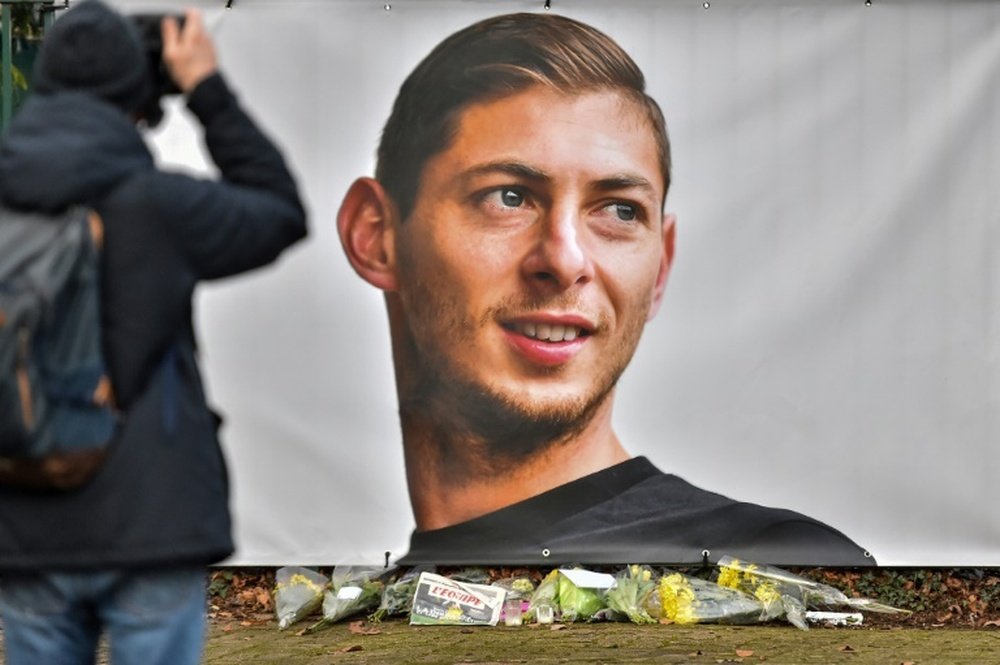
[
  {"x": 666, "y": 261},
  {"x": 365, "y": 225}
]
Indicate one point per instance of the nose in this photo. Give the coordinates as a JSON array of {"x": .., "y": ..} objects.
[{"x": 559, "y": 258}]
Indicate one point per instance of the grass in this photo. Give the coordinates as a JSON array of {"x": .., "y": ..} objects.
[{"x": 397, "y": 642}]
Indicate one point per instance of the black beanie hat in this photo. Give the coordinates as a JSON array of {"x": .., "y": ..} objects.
[{"x": 96, "y": 50}]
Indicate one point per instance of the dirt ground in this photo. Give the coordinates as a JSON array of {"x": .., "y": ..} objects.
[
  {"x": 398, "y": 642},
  {"x": 395, "y": 641}
]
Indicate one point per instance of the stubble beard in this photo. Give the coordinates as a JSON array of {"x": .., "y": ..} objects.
[{"x": 480, "y": 429}]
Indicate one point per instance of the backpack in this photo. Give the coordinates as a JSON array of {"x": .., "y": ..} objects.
[{"x": 56, "y": 407}]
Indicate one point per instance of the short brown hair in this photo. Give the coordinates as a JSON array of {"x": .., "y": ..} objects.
[{"x": 495, "y": 58}]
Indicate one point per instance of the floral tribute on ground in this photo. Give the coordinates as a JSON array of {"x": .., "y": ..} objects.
[{"x": 733, "y": 592}]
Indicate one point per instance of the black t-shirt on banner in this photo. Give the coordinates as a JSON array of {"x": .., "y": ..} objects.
[{"x": 634, "y": 513}]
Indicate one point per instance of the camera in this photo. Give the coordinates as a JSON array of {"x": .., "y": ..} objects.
[
  {"x": 150, "y": 34},
  {"x": 152, "y": 42}
]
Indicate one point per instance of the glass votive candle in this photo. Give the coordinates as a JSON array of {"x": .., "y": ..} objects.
[
  {"x": 512, "y": 611},
  {"x": 544, "y": 613}
]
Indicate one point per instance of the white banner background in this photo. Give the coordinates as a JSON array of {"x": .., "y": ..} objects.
[{"x": 829, "y": 341}]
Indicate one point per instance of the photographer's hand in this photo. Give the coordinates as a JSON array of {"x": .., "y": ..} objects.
[{"x": 188, "y": 53}]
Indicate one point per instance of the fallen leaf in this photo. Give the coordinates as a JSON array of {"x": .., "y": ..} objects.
[
  {"x": 359, "y": 628},
  {"x": 907, "y": 662},
  {"x": 557, "y": 626},
  {"x": 847, "y": 648},
  {"x": 744, "y": 653},
  {"x": 697, "y": 653},
  {"x": 351, "y": 649},
  {"x": 995, "y": 623},
  {"x": 246, "y": 624}
]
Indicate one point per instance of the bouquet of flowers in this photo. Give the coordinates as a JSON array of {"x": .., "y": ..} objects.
[
  {"x": 578, "y": 603},
  {"x": 778, "y": 598},
  {"x": 545, "y": 596},
  {"x": 353, "y": 590},
  {"x": 687, "y": 600},
  {"x": 786, "y": 593},
  {"x": 298, "y": 592},
  {"x": 397, "y": 598},
  {"x": 631, "y": 596},
  {"x": 578, "y": 594},
  {"x": 520, "y": 587}
]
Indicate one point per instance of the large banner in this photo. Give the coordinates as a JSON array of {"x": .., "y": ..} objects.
[{"x": 828, "y": 337}]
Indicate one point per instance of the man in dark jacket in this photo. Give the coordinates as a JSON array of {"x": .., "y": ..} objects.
[{"x": 126, "y": 553}]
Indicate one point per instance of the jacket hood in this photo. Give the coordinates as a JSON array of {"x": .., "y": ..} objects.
[{"x": 65, "y": 149}]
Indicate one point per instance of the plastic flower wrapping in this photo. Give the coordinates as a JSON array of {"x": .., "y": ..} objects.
[
  {"x": 577, "y": 595},
  {"x": 353, "y": 590},
  {"x": 397, "y": 598},
  {"x": 634, "y": 595},
  {"x": 516, "y": 587},
  {"x": 298, "y": 592},
  {"x": 517, "y": 591},
  {"x": 779, "y": 600},
  {"x": 545, "y": 595},
  {"x": 786, "y": 593},
  {"x": 577, "y": 603},
  {"x": 742, "y": 593},
  {"x": 687, "y": 600}
]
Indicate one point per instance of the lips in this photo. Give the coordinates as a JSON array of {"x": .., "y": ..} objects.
[
  {"x": 548, "y": 341},
  {"x": 547, "y": 332}
]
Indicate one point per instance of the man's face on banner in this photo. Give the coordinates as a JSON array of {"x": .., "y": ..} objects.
[{"x": 536, "y": 249}]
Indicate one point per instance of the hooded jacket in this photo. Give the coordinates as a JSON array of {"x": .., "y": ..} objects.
[{"x": 162, "y": 495}]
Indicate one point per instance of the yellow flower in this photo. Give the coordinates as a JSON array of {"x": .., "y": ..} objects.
[
  {"x": 678, "y": 599},
  {"x": 300, "y": 580},
  {"x": 767, "y": 594},
  {"x": 729, "y": 577}
]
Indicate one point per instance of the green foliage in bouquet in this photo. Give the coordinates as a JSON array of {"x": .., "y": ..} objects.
[
  {"x": 577, "y": 604},
  {"x": 397, "y": 598},
  {"x": 353, "y": 590},
  {"x": 572, "y": 602},
  {"x": 635, "y": 588}
]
